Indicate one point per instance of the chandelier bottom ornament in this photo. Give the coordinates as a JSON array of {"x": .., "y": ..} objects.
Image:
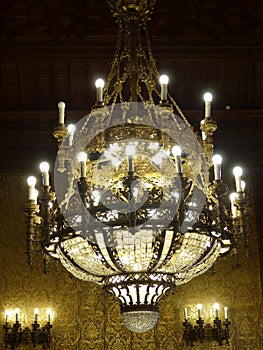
[{"x": 139, "y": 294}]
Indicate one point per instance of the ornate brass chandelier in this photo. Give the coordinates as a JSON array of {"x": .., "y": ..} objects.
[{"x": 139, "y": 203}]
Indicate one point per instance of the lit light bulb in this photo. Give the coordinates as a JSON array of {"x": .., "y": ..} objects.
[
  {"x": 71, "y": 131},
  {"x": 185, "y": 313},
  {"x": 217, "y": 161},
  {"x": 71, "y": 128},
  {"x": 96, "y": 196},
  {"x": 216, "y": 307},
  {"x": 164, "y": 79},
  {"x": 199, "y": 308},
  {"x": 130, "y": 150},
  {"x": 99, "y": 83},
  {"x": 164, "y": 83},
  {"x": 44, "y": 168},
  {"x": 243, "y": 185},
  {"x": 233, "y": 196},
  {"x": 176, "y": 151},
  {"x": 49, "y": 312},
  {"x": 208, "y": 99},
  {"x": 8, "y": 314},
  {"x": 61, "y": 112},
  {"x": 226, "y": 312},
  {"x": 238, "y": 171},
  {"x": 17, "y": 314},
  {"x": 36, "y": 312},
  {"x": 82, "y": 157},
  {"x": 31, "y": 181}
]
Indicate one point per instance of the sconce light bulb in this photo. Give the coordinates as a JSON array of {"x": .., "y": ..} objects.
[
  {"x": 216, "y": 306},
  {"x": 199, "y": 306},
  {"x": 48, "y": 312},
  {"x": 164, "y": 79},
  {"x": 99, "y": 83},
  {"x": 31, "y": 181},
  {"x": 208, "y": 97},
  {"x": 16, "y": 311},
  {"x": 237, "y": 171},
  {"x": 243, "y": 185},
  {"x": 82, "y": 157},
  {"x": 36, "y": 311},
  {"x": 217, "y": 159},
  {"x": 8, "y": 313},
  {"x": 71, "y": 128},
  {"x": 44, "y": 167},
  {"x": 176, "y": 151}
]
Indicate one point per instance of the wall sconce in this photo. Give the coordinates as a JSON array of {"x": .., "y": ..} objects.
[
  {"x": 15, "y": 335},
  {"x": 219, "y": 331}
]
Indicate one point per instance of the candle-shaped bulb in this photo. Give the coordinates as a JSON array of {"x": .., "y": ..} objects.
[
  {"x": 226, "y": 312},
  {"x": 130, "y": 151},
  {"x": 199, "y": 308},
  {"x": 82, "y": 158},
  {"x": 48, "y": 315},
  {"x": 203, "y": 133},
  {"x": 217, "y": 161},
  {"x": 233, "y": 197},
  {"x": 7, "y": 315},
  {"x": 36, "y": 312},
  {"x": 216, "y": 307},
  {"x": 243, "y": 185},
  {"x": 185, "y": 314},
  {"x": 99, "y": 83},
  {"x": 61, "y": 112},
  {"x": 17, "y": 314},
  {"x": 164, "y": 80},
  {"x": 238, "y": 171},
  {"x": 177, "y": 152},
  {"x": 71, "y": 130},
  {"x": 44, "y": 168},
  {"x": 208, "y": 99},
  {"x": 31, "y": 181}
]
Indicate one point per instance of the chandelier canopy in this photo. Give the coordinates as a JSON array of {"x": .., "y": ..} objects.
[{"x": 139, "y": 204}]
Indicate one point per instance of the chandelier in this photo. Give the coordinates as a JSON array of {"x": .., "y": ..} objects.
[{"x": 139, "y": 204}]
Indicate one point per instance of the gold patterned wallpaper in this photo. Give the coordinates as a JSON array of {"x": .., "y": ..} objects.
[{"x": 86, "y": 318}]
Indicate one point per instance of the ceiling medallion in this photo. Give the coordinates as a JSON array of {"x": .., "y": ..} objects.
[{"x": 134, "y": 206}]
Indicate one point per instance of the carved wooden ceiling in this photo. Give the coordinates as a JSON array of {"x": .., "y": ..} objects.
[
  {"x": 52, "y": 50},
  {"x": 206, "y": 19}
]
